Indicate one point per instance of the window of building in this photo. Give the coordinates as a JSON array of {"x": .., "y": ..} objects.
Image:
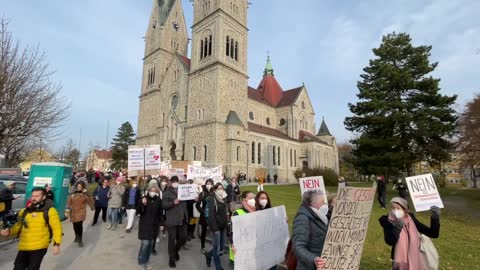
[
  {"x": 295, "y": 158},
  {"x": 259, "y": 153},
  {"x": 238, "y": 153},
  {"x": 303, "y": 104},
  {"x": 194, "y": 153},
  {"x": 227, "y": 46},
  {"x": 253, "y": 152},
  {"x": 278, "y": 153},
  {"x": 282, "y": 122},
  {"x": 205, "y": 152},
  {"x": 236, "y": 51},
  {"x": 210, "y": 45},
  {"x": 291, "y": 158},
  {"x": 274, "y": 156},
  {"x": 251, "y": 116},
  {"x": 201, "y": 49},
  {"x": 268, "y": 121}
]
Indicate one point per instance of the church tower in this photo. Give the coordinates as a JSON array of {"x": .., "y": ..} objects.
[
  {"x": 218, "y": 82},
  {"x": 166, "y": 36}
]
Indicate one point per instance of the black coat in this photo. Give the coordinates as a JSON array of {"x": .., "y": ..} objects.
[
  {"x": 150, "y": 216},
  {"x": 126, "y": 196},
  {"x": 216, "y": 213},
  {"x": 6, "y": 196},
  {"x": 175, "y": 215},
  {"x": 200, "y": 205},
  {"x": 232, "y": 193},
  {"x": 392, "y": 231}
]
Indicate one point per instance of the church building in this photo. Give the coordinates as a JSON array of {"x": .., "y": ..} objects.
[{"x": 202, "y": 109}]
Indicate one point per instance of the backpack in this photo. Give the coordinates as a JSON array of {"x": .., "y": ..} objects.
[
  {"x": 290, "y": 257},
  {"x": 45, "y": 217},
  {"x": 429, "y": 253}
]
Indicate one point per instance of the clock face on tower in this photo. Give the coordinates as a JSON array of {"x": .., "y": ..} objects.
[{"x": 176, "y": 26}]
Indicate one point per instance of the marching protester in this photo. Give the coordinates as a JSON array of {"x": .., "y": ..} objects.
[
  {"x": 200, "y": 205},
  {"x": 310, "y": 230},
  {"x": 115, "y": 195},
  {"x": 402, "y": 231},
  {"x": 48, "y": 188},
  {"x": 101, "y": 201},
  {"x": 77, "y": 210},
  {"x": 248, "y": 206},
  {"x": 38, "y": 224},
  {"x": 233, "y": 190},
  {"x": 192, "y": 221},
  {"x": 131, "y": 198},
  {"x": 176, "y": 218},
  {"x": 163, "y": 186},
  {"x": 216, "y": 215},
  {"x": 382, "y": 191},
  {"x": 262, "y": 201},
  {"x": 401, "y": 188},
  {"x": 150, "y": 211},
  {"x": 6, "y": 197}
]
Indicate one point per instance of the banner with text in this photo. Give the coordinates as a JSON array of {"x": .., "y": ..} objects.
[
  {"x": 144, "y": 160},
  {"x": 348, "y": 228},
  {"x": 136, "y": 161},
  {"x": 180, "y": 173},
  {"x": 312, "y": 183},
  {"x": 152, "y": 158},
  {"x": 187, "y": 192},
  {"x": 424, "y": 192},
  {"x": 205, "y": 173},
  {"x": 260, "y": 238}
]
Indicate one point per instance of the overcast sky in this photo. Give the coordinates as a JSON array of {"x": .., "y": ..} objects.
[{"x": 96, "y": 49}]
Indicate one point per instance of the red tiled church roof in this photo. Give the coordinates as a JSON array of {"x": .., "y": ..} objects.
[
  {"x": 268, "y": 131},
  {"x": 270, "y": 90},
  {"x": 305, "y": 136},
  {"x": 186, "y": 61},
  {"x": 103, "y": 154}
]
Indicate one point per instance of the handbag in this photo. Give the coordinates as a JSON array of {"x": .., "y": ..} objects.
[{"x": 429, "y": 253}]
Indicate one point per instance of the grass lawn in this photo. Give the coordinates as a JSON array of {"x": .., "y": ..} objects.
[{"x": 459, "y": 242}]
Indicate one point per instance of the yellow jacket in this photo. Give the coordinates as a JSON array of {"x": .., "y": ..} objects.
[{"x": 37, "y": 235}]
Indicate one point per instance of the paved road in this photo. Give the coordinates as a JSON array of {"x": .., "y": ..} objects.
[{"x": 106, "y": 249}]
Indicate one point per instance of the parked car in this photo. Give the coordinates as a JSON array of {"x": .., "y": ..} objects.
[{"x": 20, "y": 189}]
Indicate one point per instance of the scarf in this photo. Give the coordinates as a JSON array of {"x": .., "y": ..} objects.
[
  {"x": 320, "y": 215},
  {"x": 407, "y": 250}
]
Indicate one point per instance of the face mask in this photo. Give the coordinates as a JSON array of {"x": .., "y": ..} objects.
[
  {"x": 152, "y": 194},
  {"x": 118, "y": 183},
  {"x": 163, "y": 184},
  {"x": 251, "y": 203},
  {"x": 323, "y": 209},
  {"x": 134, "y": 185},
  {"x": 263, "y": 203},
  {"x": 209, "y": 187},
  {"x": 175, "y": 185},
  {"x": 398, "y": 213},
  {"x": 221, "y": 193}
]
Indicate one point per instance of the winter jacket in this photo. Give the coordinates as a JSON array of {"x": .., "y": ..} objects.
[
  {"x": 200, "y": 205},
  {"x": 216, "y": 213},
  {"x": 126, "y": 197},
  {"x": 102, "y": 194},
  {"x": 175, "y": 215},
  {"x": 77, "y": 203},
  {"x": 232, "y": 193},
  {"x": 115, "y": 196},
  {"x": 150, "y": 216},
  {"x": 392, "y": 231},
  {"x": 6, "y": 196},
  {"x": 308, "y": 236},
  {"x": 36, "y": 235}
]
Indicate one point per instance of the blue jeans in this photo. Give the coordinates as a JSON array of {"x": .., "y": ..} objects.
[
  {"x": 113, "y": 215},
  {"x": 145, "y": 251},
  {"x": 218, "y": 246}
]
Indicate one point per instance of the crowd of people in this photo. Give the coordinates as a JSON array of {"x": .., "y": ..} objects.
[{"x": 162, "y": 215}]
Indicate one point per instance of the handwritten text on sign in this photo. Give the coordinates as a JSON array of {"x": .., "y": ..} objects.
[
  {"x": 187, "y": 192},
  {"x": 424, "y": 192},
  {"x": 348, "y": 228},
  {"x": 260, "y": 238},
  {"x": 204, "y": 172},
  {"x": 312, "y": 183}
]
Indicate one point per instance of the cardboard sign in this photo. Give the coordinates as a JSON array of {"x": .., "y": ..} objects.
[
  {"x": 348, "y": 228},
  {"x": 152, "y": 158},
  {"x": 424, "y": 192},
  {"x": 187, "y": 192},
  {"x": 312, "y": 183},
  {"x": 260, "y": 238},
  {"x": 42, "y": 181},
  {"x": 205, "y": 173}
]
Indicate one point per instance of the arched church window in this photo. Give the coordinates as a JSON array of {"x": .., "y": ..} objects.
[
  {"x": 291, "y": 158},
  {"x": 282, "y": 122},
  {"x": 259, "y": 153},
  {"x": 205, "y": 48},
  {"x": 251, "y": 116},
  {"x": 232, "y": 48},
  {"x": 238, "y": 153},
  {"x": 303, "y": 104},
  {"x": 227, "y": 46},
  {"x": 210, "y": 45},
  {"x": 201, "y": 49},
  {"x": 253, "y": 152},
  {"x": 236, "y": 50},
  {"x": 268, "y": 121},
  {"x": 274, "y": 156},
  {"x": 295, "y": 158},
  {"x": 194, "y": 153},
  {"x": 205, "y": 152},
  {"x": 278, "y": 153}
]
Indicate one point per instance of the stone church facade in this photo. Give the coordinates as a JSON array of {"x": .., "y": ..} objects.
[{"x": 203, "y": 109}]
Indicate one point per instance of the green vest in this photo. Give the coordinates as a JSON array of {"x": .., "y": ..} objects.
[{"x": 239, "y": 213}]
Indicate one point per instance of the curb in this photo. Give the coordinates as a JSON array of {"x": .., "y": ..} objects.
[{"x": 7, "y": 242}]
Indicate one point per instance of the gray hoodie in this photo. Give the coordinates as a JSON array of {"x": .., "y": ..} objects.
[{"x": 115, "y": 196}]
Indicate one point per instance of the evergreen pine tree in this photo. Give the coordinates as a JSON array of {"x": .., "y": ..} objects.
[
  {"x": 401, "y": 117},
  {"x": 125, "y": 137}
]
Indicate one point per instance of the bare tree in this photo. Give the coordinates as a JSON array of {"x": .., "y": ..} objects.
[{"x": 31, "y": 104}]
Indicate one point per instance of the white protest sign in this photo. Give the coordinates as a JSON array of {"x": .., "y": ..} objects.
[
  {"x": 187, "y": 192},
  {"x": 424, "y": 192},
  {"x": 348, "y": 228},
  {"x": 42, "y": 181},
  {"x": 205, "y": 173},
  {"x": 66, "y": 181},
  {"x": 136, "y": 161},
  {"x": 165, "y": 165},
  {"x": 260, "y": 238},
  {"x": 312, "y": 183},
  {"x": 152, "y": 157},
  {"x": 180, "y": 173}
]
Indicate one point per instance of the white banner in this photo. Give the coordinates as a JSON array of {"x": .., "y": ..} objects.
[
  {"x": 187, "y": 192},
  {"x": 424, "y": 192},
  {"x": 180, "y": 173},
  {"x": 152, "y": 157},
  {"x": 312, "y": 183},
  {"x": 260, "y": 238},
  {"x": 348, "y": 228},
  {"x": 136, "y": 161},
  {"x": 205, "y": 173},
  {"x": 42, "y": 181}
]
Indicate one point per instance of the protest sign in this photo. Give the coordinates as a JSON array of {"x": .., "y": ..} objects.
[
  {"x": 312, "y": 183},
  {"x": 260, "y": 238},
  {"x": 348, "y": 228},
  {"x": 180, "y": 173},
  {"x": 136, "y": 161},
  {"x": 187, "y": 192},
  {"x": 205, "y": 173},
  {"x": 152, "y": 158},
  {"x": 424, "y": 192}
]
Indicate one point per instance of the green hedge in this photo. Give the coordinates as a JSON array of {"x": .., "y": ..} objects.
[{"x": 330, "y": 177}]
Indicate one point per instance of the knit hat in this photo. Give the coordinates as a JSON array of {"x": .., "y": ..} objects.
[
  {"x": 152, "y": 182},
  {"x": 402, "y": 202},
  {"x": 209, "y": 180},
  {"x": 9, "y": 183}
]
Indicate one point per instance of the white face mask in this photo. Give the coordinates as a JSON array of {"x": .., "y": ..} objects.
[
  {"x": 324, "y": 209},
  {"x": 209, "y": 187},
  {"x": 163, "y": 184},
  {"x": 251, "y": 203},
  {"x": 263, "y": 203},
  {"x": 134, "y": 185},
  {"x": 398, "y": 213},
  {"x": 221, "y": 193},
  {"x": 175, "y": 185},
  {"x": 152, "y": 194}
]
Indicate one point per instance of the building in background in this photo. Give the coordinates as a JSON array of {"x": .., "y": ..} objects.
[
  {"x": 38, "y": 155},
  {"x": 99, "y": 160}
]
